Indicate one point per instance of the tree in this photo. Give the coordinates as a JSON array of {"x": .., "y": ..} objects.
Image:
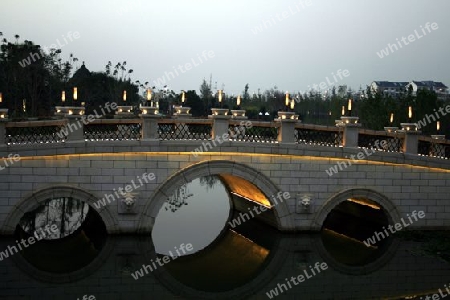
[
  {"x": 196, "y": 104},
  {"x": 246, "y": 94},
  {"x": 206, "y": 96}
]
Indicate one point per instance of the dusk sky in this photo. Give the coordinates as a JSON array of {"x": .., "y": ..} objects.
[{"x": 290, "y": 44}]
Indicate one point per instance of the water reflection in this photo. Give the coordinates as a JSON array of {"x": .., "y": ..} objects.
[
  {"x": 241, "y": 264},
  {"x": 196, "y": 213},
  {"x": 237, "y": 258},
  {"x": 348, "y": 226},
  {"x": 66, "y": 213},
  {"x": 78, "y": 240}
]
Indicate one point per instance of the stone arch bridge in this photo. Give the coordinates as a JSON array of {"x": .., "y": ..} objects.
[{"x": 407, "y": 172}]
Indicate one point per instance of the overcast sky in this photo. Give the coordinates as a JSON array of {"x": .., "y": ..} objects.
[{"x": 300, "y": 44}]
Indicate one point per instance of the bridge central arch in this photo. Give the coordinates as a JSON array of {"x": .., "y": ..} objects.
[{"x": 284, "y": 219}]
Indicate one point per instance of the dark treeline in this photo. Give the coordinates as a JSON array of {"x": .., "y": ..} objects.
[{"x": 32, "y": 81}]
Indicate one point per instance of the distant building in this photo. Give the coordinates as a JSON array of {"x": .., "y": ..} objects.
[
  {"x": 438, "y": 87},
  {"x": 395, "y": 88},
  {"x": 388, "y": 87}
]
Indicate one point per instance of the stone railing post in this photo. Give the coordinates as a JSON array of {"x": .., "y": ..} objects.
[
  {"x": 221, "y": 122},
  {"x": 75, "y": 128},
  {"x": 75, "y": 125},
  {"x": 149, "y": 117},
  {"x": 351, "y": 131},
  {"x": 411, "y": 138},
  {"x": 286, "y": 132}
]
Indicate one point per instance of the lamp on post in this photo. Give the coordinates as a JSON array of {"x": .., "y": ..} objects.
[
  {"x": 151, "y": 108},
  {"x": 286, "y": 101},
  {"x": 238, "y": 113},
  {"x": 410, "y": 126},
  {"x": 391, "y": 127},
  {"x": 349, "y": 107},
  {"x": 3, "y": 111},
  {"x": 124, "y": 111},
  {"x": 438, "y": 135},
  {"x": 219, "y": 111},
  {"x": 289, "y": 113},
  {"x": 182, "y": 111},
  {"x": 74, "y": 111},
  {"x": 149, "y": 97},
  {"x": 220, "y": 98}
]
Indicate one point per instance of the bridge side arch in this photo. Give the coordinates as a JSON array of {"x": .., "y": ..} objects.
[
  {"x": 38, "y": 198},
  {"x": 284, "y": 218},
  {"x": 389, "y": 208}
]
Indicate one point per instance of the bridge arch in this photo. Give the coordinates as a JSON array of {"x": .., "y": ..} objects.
[
  {"x": 284, "y": 218},
  {"x": 38, "y": 198},
  {"x": 389, "y": 208}
]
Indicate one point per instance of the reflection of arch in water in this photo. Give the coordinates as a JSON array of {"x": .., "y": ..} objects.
[
  {"x": 387, "y": 254},
  {"x": 91, "y": 236},
  {"x": 38, "y": 198},
  {"x": 283, "y": 217},
  {"x": 373, "y": 261},
  {"x": 50, "y": 277},
  {"x": 252, "y": 275}
]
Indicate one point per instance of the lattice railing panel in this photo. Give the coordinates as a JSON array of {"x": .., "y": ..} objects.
[
  {"x": 258, "y": 134},
  {"x": 318, "y": 137},
  {"x": 434, "y": 148},
  {"x": 112, "y": 132},
  {"x": 35, "y": 135},
  {"x": 184, "y": 131},
  {"x": 392, "y": 144}
]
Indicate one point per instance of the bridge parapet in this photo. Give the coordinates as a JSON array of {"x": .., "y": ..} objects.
[{"x": 82, "y": 129}]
